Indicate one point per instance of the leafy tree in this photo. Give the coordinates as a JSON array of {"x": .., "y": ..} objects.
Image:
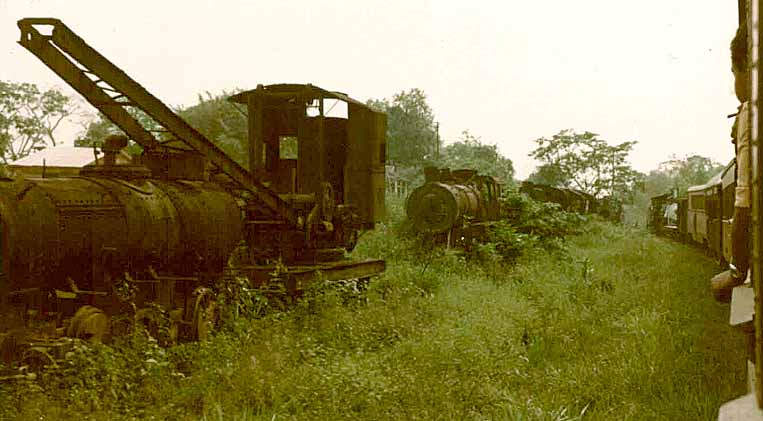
[
  {"x": 471, "y": 153},
  {"x": 100, "y": 127},
  {"x": 680, "y": 174},
  {"x": 222, "y": 123},
  {"x": 584, "y": 162},
  {"x": 411, "y": 134},
  {"x": 29, "y": 118},
  {"x": 216, "y": 118},
  {"x": 550, "y": 175}
]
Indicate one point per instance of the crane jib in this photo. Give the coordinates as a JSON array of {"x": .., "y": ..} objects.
[{"x": 111, "y": 91}]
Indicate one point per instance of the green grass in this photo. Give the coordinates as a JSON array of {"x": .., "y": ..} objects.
[{"x": 618, "y": 325}]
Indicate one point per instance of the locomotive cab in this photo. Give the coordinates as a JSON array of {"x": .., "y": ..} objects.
[{"x": 298, "y": 147}]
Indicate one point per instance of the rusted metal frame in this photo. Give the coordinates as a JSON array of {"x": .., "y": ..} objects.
[
  {"x": 78, "y": 291},
  {"x": 98, "y": 65},
  {"x": 24, "y": 291},
  {"x": 256, "y": 116},
  {"x": 264, "y": 222},
  {"x": 322, "y": 151},
  {"x": 156, "y": 276},
  {"x": 363, "y": 269},
  {"x": 76, "y": 47},
  {"x": 39, "y": 45},
  {"x": 297, "y": 276}
]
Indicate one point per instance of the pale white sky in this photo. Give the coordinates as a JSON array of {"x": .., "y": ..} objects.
[{"x": 509, "y": 71}]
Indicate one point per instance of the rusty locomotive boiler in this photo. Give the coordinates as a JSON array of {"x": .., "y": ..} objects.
[
  {"x": 149, "y": 239},
  {"x": 54, "y": 228},
  {"x": 454, "y": 206}
]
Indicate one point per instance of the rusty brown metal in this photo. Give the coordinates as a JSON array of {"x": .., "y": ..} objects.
[
  {"x": 68, "y": 222},
  {"x": 453, "y": 200},
  {"x": 50, "y": 50},
  {"x": 296, "y": 278},
  {"x": 150, "y": 235},
  {"x": 349, "y": 153}
]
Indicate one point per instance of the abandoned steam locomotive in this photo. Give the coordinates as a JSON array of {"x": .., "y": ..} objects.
[
  {"x": 454, "y": 206},
  {"x": 165, "y": 226}
]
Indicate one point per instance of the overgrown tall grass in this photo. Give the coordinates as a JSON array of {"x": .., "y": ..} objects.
[{"x": 616, "y": 324}]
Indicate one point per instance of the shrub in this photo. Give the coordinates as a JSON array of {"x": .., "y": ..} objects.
[{"x": 547, "y": 221}]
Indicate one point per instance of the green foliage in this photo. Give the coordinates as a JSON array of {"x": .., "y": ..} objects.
[
  {"x": 528, "y": 225},
  {"x": 545, "y": 220},
  {"x": 411, "y": 133},
  {"x": 680, "y": 174},
  {"x": 471, "y": 153},
  {"x": 101, "y": 127},
  {"x": 617, "y": 327},
  {"x": 238, "y": 300},
  {"x": 549, "y": 175},
  {"x": 584, "y": 162},
  {"x": 506, "y": 242},
  {"x": 413, "y": 142},
  {"x": 128, "y": 377},
  {"x": 222, "y": 122},
  {"x": 29, "y": 118}
]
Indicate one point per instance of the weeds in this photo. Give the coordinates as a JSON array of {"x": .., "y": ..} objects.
[{"x": 617, "y": 325}]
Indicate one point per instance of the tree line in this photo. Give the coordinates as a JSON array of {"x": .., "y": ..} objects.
[{"x": 30, "y": 118}]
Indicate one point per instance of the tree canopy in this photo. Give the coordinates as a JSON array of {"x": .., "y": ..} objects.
[
  {"x": 29, "y": 118},
  {"x": 585, "y": 162},
  {"x": 101, "y": 127},
  {"x": 221, "y": 122},
  {"x": 680, "y": 173},
  {"x": 411, "y": 133},
  {"x": 470, "y": 152}
]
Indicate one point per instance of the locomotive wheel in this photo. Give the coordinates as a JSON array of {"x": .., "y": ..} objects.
[
  {"x": 204, "y": 314},
  {"x": 36, "y": 359},
  {"x": 176, "y": 320},
  {"x": 121, "y": 325},
  {"x": 89, "y": 323}
]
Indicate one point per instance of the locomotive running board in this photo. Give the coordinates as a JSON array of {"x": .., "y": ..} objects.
[{"x": 110, "y": 90}]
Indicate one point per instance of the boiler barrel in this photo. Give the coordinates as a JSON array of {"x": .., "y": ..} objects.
[
  {"x": 51, "y": 229},
  {"x": 437, "y": 207}
]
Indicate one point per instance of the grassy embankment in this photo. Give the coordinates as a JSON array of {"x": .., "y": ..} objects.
[{"x": 619, "y": 326}]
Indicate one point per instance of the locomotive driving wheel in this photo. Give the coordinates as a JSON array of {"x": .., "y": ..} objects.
[
  {"x": 204, "y": 315},
  {"x": 122, "y": 325},
  {"x": 36, "y": 359},
  {"x": 89, "y": 323}
]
